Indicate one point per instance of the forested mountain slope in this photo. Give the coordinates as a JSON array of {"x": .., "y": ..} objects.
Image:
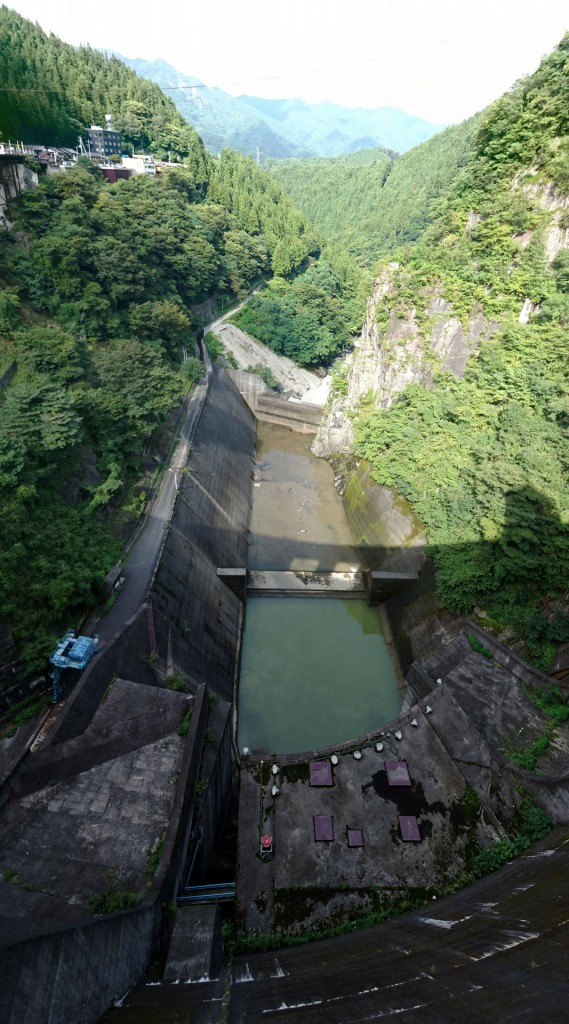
[
  {"x": 372, "y": 201},
  {"x": 51, "y": 92},
  {"x": 483, "y": 458},
  {"x": 97, "y": 284}
]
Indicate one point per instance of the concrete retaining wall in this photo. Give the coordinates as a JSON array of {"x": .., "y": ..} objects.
[
  {"x": 299, "y": 416},
  {"x": 302, "y": 417},
  {"x": 385, "y": 531},
  {"x": 197, "y": 618}
]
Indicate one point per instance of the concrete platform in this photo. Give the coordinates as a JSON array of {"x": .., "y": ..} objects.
[
  {"x": 456, "y": 805},
  {"x": 322, "y": 584},
  {"x": 66, "y": 841}
]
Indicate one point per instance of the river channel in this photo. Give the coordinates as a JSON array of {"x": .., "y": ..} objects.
[{"x": 315, "y": 671}]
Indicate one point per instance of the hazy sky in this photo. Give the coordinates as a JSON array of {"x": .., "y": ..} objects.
[{"x": 439, "y": 59}]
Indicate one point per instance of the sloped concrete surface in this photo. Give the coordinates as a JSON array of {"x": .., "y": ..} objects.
[
  {"x": 71, "y": 839},
  {"x": 497, "y": 952},
  {"x": 196, "y": 951}
]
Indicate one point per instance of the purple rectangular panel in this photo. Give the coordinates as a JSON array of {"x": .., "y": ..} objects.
[
  {"x": 321, "y": 773},
  {"x": 355, "y": 837},
  {"x": 323, "y": 827},
  {"x": 397, "y": 774},
  {"x": 409, "y": 828}
]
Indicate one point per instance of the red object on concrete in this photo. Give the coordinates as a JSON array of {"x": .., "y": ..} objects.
[{"x": 266, "y": 842}]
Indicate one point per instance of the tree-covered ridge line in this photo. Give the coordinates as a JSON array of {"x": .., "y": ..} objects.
[
  {"x": 97, "y": 284},
  {"x": 51, "y": 92},
  {"x": 484, "y": 460},
  {"x": 372, "y": 201}
]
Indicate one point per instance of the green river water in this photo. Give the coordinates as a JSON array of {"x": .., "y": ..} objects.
[{"x": 314, "y": 671}]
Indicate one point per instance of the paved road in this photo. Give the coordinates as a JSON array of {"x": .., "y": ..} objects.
[
  {"x": 144, "y": 555},
  {"x": 230, "y": 312}
]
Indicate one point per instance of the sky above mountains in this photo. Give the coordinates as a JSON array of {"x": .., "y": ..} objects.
[{"x": 441, "y": 60}]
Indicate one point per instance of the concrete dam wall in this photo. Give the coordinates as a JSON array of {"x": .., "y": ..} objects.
[
  {"x": 196, "y": 618},
  {"x": 114, "y": 776}
]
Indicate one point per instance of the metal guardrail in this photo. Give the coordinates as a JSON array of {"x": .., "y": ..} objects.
[{"x": 221, "y": 892}]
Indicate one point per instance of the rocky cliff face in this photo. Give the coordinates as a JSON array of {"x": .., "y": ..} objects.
[
  {"x": 386, "y": 359},
  {"x": 410, "y": 345}
]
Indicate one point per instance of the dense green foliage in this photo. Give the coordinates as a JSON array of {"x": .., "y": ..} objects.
[
  {"x": 51, "y": 93},
  {"x": 260, "y": 207},
  {"x": 311, "y": 318},
  {"x": 483, "y": 460},
  {"x": 370, "y": 202},
  {"x": 337, "y": 194},
  {"x": 96, "y": 289}
]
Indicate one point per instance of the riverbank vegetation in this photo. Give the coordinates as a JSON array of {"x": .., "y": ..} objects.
[{"x": 312, "y": 317}]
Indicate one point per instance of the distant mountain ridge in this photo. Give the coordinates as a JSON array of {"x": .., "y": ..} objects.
[
  {"x": 221, "y": 120},
  {"x": 282, "y": 128},
  {"x": 329, "y": 129}
]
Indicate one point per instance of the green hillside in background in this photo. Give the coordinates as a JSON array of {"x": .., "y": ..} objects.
[
  {"x": 222, "y": 121},
  {"x": 372, "y": 201},
  {"x": 282, "y": 128},
  {"x": 329, "y": 129}
]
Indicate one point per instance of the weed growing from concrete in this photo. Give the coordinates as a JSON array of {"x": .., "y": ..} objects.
[
  {"x": 113, "y": 899},
  {"x": 175, "y": 682},
  {"x": 183, "y": 729}
]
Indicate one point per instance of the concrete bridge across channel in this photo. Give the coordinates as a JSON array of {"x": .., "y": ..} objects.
[{"x": 375, "y": 586}]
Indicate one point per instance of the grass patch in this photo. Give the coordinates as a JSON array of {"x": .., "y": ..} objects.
[
  {"x": 528, "y": 758},
  {"x": 175, "y": 682},
  {"x": 113, "y": 899},
  {"x": 532, "y": 824},
  {"x": 214, "y": 346},
  {"x": 153, "y": 855},
  {"x": 183, "y": 729},
  {"x": 22, "y": 712},
  {"x": 478, "y": 647},
  {"x": 551, "y": 702}
]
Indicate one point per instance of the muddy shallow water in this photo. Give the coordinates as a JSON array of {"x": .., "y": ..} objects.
[{"x": 298, "y": 519}]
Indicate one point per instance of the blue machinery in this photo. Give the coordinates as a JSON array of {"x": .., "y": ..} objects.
[{"x": 71, "y": 652}]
